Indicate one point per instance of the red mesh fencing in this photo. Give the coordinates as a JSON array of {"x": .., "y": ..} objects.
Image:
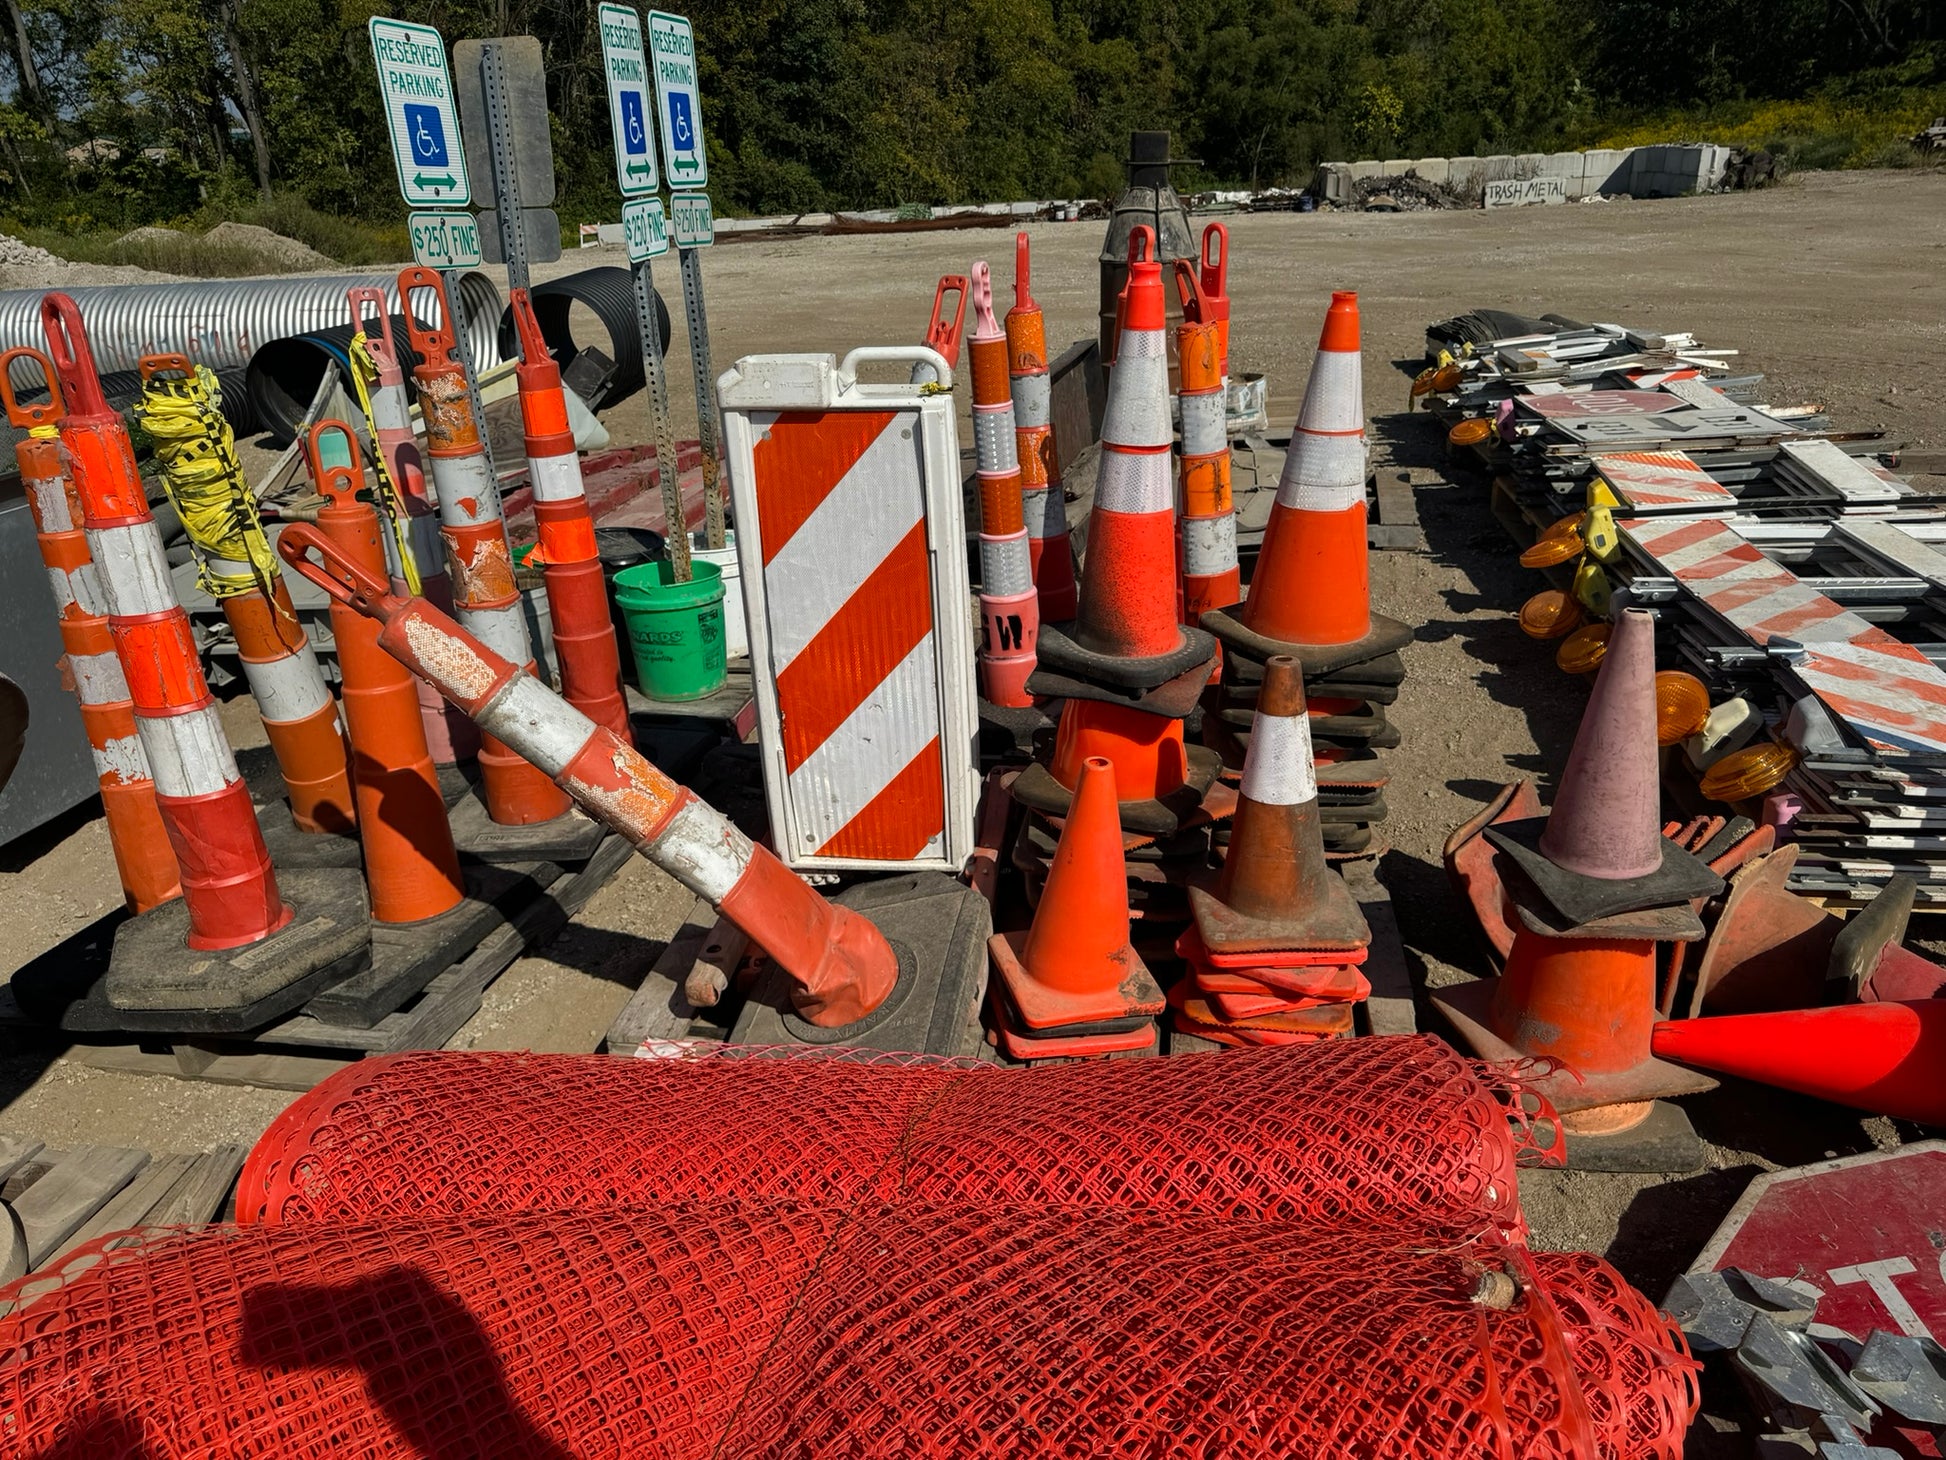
[
  {"x": 783, "y": 1332},
  {"x": 1400, "y": 1133}
]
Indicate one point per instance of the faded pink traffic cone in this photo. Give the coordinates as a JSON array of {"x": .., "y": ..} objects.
[{"x": 1607, "y": 817}]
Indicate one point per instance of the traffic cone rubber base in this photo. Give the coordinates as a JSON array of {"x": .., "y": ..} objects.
[
  {"x": 1245, "y": 671},
  {"x": 1328, "y": 1021},
  {"x": 1769, "y": 949},
  {"x": 570, "y": 837},
  {"x": 1026, "y": 1046},
  {"x": 1156, "y": 883},
  {"x": 156, "y": 982},
  {"x": 1293, "y": 968},
  {"x": 1674, "y": 922},
  {"x": 1469, "y": 1007},
  {"x": 938, "y": 926},
  {"x": 1866, "y": 960},
  {"x": 291, "y": 848},
  {"x": 1335, "y": 924},
  {"x": 1138, "y": 997},
  {"x": 1623, "y": 1138},
  {"x": 1009, "y": 733},
  {"x": 1062, "y": 654},
  {"x": 1365, "y": 726},
  {"x": 408, "y": 956},
  {"x": 1201, "y": 798},
  {"x": 1386, "y": 636},
  {"x": 1583, "y": 899},
  {"x": 1174, "y": 698}
]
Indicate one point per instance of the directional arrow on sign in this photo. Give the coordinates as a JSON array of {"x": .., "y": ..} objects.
[
  {"x": 641, "y": 169},
  {"x": 436, "y": 180}
]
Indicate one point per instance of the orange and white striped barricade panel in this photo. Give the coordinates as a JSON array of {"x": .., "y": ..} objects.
[
  {"x": 1664, "y": 481},
  {"x": 1883, "y": 690},
  {"x": 851, "y": 539}
]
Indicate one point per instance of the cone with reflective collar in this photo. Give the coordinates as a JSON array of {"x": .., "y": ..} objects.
[
  {"x": 1275, "y": 891},
  {"x": 1010, "y": 615},
  {"x": 1311, "y": 592},
  {"x": 1072, "y": 984}
]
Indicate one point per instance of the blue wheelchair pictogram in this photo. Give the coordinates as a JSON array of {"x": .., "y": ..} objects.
[
  {"x": 427, "y": 131},
  {"x": 682, "y": 131},
  {"x": 635, "y": 126}
]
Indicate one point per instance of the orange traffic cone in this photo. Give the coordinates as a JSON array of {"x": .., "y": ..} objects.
[
  {"x": 1311, "y": 593},
  {"x": 1072, "y": 984},
  {"x": 1886, "y": 1058},
  {"x": 1275, "y": 891},
  {"x": 1010, "y": 609}
]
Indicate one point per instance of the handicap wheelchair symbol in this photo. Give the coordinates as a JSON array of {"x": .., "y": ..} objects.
[
  {"x": 634, "y": 124},
  {"x": 427, "y": 129}
]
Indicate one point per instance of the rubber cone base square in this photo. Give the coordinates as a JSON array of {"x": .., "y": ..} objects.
[
  {"x": 1058, "y": 1044},
  {"x": 1582, "y": 899},
  {"x": 939, "y": 926},
  {"x": 569, "y": 837},
  {"x": 1336, "y": 924},
  {"x": 156, "y": 982},
  {"x": 408, "y": 956},
  {"x": 1112, "y": 677},
  {"x": 1323, "y": 1021},
  {"x": 1009, "y": 733},
  {"x": 1246, "y": 671},
  {"x": 1663, "y": 1140},
  {"x": 1467, "y": 1006},
  {"x": 291, "y": 848},
  {"x": 1386, "y": 636},
  {"x": 1136, "y": 997},
  {"x": 1196, "y": 801}
]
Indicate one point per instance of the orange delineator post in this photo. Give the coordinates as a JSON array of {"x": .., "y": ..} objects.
[
  {"x": 585, "y": 647},
  {"x": 841, "y": 966},
  {"x": 1010, "y": 614},
  {"x": 136, "y": 834},
  {"x": 485, "y": 596},
  {"x": 1043, "y": 499},
  {"x": 411, "y": 868},
  {"x": 300, "y": 718},
  {"x": 1210, "y": 576},
  {"x": 1213, "y": 293},
  {"x": 449, "y": 735},
  {"x": 228, "y": 884}
]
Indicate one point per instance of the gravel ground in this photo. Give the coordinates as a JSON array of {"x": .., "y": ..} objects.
[{"x": 1831, "y": 284}]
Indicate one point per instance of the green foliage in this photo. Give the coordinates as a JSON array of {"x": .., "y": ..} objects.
[{"x": 267, "y": 111}]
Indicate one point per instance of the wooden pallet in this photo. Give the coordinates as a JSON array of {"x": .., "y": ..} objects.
[
  {"x": 66, "y": 1198},
  {"x": 302, "y": 1050}
]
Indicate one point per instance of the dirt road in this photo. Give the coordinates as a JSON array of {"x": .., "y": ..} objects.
[{"x": 1834, "y": 285}]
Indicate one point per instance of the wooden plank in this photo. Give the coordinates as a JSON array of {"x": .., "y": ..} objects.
[
  {"x": 77, "y": 1187},
  {"x": 660, "y": 1009},
  {"x": 130, "y": 1207},
  {"x": 201, "y": 1196},
  {"x": 1398, "y": 512},
  {"x": 15, "y": 1152},
  {"x": 1389, "y": 1009},
  {"x": 265, "y": 1070}
]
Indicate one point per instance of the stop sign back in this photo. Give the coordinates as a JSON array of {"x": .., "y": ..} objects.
[{"x": 1868, "y": 1232}]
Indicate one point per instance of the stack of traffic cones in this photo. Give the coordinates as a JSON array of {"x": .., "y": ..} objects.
[
  {"x": 1594, "y": 886},
  {"x": 1128, "y": 671},
  {"x": 1072, "y": 985},
  {"x": 1310, "y": 596},
  {"x": 1274, "y": 952},
  {"x": 1043, "y": 498}
]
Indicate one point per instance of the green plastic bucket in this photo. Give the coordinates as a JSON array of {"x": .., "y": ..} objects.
[{"x": 675, "y": 630}]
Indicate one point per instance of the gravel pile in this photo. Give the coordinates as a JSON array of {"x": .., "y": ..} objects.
[
  {"x": 23, "y": 266},
  {"x": 17, "y": 255}
]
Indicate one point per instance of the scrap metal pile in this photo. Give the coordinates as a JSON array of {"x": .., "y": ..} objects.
[{"x": 1790, "y": 570}]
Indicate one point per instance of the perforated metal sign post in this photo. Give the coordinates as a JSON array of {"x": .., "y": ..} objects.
[
  {"x": 630, "y": 115},
  {"x": 672, "y": 50},
  {"x": 851, "y": 541},
  {"x": 421, "y": 113},
  {"x": 694, "y": 227}
]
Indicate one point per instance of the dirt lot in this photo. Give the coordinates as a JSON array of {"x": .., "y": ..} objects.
[{"x": 1835, "y": 285}]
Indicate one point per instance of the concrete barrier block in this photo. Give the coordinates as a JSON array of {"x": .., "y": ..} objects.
[
  {"x": 1462, "y": 172},
  {"x": 1605, "y": 170},
  {"x": 1499, "y": 168},
  {"x": 1332, "y": 182},
  {"x": 1434, "y": 169},
  {"x": 1560, "y": 164},
  {"x": 1360, "y": 171},
  {"x": 1395, "y": 167},
  {"x": 1528, "y": 164}
]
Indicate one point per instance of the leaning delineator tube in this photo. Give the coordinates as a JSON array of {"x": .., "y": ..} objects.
[{"x": 841, "y": 966}]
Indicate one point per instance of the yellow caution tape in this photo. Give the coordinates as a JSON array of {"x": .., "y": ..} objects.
[
  {"x": 391, "y": 499},
  {"x": 204, "y": 480}
]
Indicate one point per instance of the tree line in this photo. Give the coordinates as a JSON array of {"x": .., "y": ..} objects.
[{"x": 120, "y": 112}]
